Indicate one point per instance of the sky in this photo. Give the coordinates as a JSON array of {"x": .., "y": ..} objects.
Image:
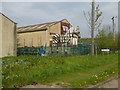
[{"x": 28, "y": 13}]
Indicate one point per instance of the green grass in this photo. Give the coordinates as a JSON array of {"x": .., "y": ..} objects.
[{"x": 78, "y": 71}]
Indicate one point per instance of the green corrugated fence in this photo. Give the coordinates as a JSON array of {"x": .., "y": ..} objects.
[{"x": 80, "y": 49}]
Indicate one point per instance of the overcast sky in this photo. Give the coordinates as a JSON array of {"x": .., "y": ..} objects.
[{"x": 27, "y": 13}]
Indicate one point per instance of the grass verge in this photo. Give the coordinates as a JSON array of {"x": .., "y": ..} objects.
[{"x": 78, "y": 71}]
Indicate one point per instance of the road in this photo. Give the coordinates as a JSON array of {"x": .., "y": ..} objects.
[{"x": 110, "y": 83}]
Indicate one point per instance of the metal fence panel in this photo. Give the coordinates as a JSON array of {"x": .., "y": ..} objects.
[{"x": 80, "y": 49}]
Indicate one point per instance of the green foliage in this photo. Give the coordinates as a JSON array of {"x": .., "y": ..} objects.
[
  {"x": 105, "y": 40},
  {"x": 24, "y": 70},
  {"x": 94, "y": 79},
  {"x": 88, "y": 40}
]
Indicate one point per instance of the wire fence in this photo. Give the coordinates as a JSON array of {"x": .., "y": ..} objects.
[{"x": 80, "y": 49}]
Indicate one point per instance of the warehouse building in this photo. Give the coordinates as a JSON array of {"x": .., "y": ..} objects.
[
  {"x": 7, "y": 36},
  {"x": 46, "y": 34}
]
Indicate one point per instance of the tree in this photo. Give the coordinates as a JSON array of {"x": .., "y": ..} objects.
[
  {"x": 93, "y": 22},
  {"x": 101, "y": 39},
  {"x": 105, "y": 40}
]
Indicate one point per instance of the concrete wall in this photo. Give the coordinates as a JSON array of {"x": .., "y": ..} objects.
[
  {"x": 32, "y": 39},
  {"x": 0, "y": 35},
  {"x": 41, "y": 38},
  {"x": 65, "y": 21},
  {"x": 8, "y": 39},
  {"x": 54, "y": 29}
]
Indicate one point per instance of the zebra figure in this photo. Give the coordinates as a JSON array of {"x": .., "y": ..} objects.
[
  {"x": 70, "y": 36},
  {"x": 55, "y": 38}
]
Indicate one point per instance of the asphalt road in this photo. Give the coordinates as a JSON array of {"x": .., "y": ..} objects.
[{"x": 111, "y": 84}]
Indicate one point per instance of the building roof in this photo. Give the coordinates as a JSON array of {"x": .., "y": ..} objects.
[
  {"x": 36, "y": 27},
  {"x": 7, "y": 17}
]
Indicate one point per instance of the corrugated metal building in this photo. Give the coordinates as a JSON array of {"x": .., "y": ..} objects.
[
  {"x": 41, "y": 34},
  {"x": 7, "y": 36}
]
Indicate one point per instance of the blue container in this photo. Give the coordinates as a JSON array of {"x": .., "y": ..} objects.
[{"x": 42, "y": 51}]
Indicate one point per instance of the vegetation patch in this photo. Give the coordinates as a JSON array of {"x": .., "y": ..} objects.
[{"x": 78, "y": 71}]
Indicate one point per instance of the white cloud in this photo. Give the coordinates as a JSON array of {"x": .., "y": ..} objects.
[
  {"x": 32, "y": 13},
  {"x": 59, "y": 0},
  {"x": 17, "y": 9},
  {"x": 0, "y": 6},
  {"x": 110, "y": 10}
]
